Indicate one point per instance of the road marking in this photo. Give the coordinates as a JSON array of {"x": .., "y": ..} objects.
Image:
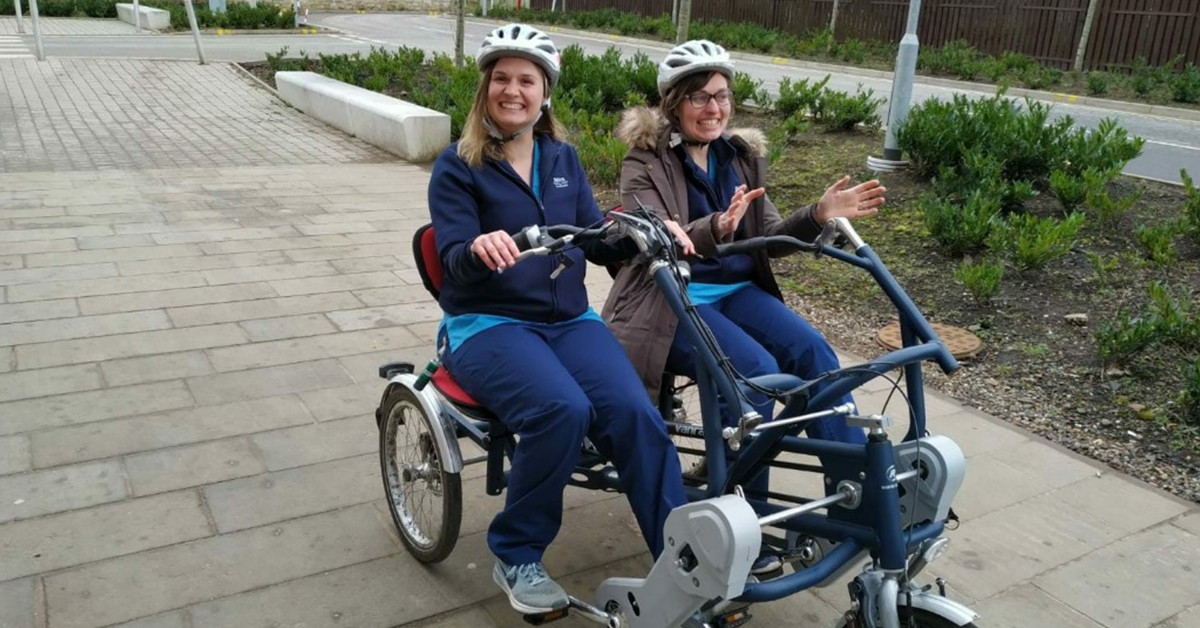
[
  {"x": 1184, "y": 147},
  {"x": 14, "y": 47}
]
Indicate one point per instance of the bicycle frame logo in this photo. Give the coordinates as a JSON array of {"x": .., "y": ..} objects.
[{"x": 890, "y": 476}]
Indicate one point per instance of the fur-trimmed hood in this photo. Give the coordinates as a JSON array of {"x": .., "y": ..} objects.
[{"x": 642, "y": 127}]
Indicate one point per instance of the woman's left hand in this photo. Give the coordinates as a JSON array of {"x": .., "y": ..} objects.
[{"x": 861, "y": 200}]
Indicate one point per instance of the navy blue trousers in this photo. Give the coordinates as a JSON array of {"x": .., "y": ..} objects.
[
  {"x": 762, "y": 335},
  {"x": 553, "y": 386}
]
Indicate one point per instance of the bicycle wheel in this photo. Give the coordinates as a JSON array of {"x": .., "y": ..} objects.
[
  {"x": 425, "y": 500},
  {"x": 915, "y": 618},
  {"x": 692, "y": 460}
]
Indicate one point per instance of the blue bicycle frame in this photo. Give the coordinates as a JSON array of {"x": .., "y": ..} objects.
[{"x": 876, "y": 524}]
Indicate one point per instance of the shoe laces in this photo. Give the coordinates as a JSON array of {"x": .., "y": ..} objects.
[{"x": 534, "y": 573}]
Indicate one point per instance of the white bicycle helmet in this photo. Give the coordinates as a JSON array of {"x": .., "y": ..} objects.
[
  {"x": 520, "y": 40},
  {"x": 698, "y": 55}
]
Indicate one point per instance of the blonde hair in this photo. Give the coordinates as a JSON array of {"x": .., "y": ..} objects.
[{"x": 476, "y": 144}]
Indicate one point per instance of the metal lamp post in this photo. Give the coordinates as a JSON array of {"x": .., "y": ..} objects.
[{"x": 902, "y": 86}]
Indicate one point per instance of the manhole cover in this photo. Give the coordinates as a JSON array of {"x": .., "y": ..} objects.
[{"x": 961, "y": 343}]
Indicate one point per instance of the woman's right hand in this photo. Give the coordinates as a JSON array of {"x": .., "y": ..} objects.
[
  {"x": 728, "y": 220},
  {"x": 497, "y": 250}
]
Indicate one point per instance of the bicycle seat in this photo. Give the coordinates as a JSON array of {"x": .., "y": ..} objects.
[{"x": 444, "y": 382}]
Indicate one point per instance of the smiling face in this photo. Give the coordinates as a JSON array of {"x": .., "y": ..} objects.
[
  {"x": 515, "y": 93},
  {"x": 706, "y": 123}
]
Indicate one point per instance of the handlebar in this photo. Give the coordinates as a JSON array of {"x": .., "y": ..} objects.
[
  {"x": 863, "y": 257},
  {"x": 761, "y": 242}
]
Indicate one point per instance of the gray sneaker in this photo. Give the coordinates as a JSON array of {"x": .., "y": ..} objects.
[{"x": 530, "y": 590}]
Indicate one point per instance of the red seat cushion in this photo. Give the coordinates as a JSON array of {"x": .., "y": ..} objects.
[
  {"x": 444, "y": 382},
  {"x": 429, "y": 265}
]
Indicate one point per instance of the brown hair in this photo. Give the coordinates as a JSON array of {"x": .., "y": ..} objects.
[
  {"x": 679, "y": 93},
  {"x": 476, "y": 143}
]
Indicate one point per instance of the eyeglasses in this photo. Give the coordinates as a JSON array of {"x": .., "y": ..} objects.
[{"x": 700, "y": 100}]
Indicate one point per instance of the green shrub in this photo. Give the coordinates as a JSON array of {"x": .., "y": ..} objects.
[
  {"x": 1097, "y": 83},
  {"x": 1159, "y": 242},
  {"x": 1024, "y": 141},
  {"x": 1069, "y": 190},
  {"x": 1191, "y": 208},
  {"x": 1142, "y": 78},
  {"x": 601, "y": 155},
  {"x": 981, "y": 279},
  {"x": 1107, "y": 148},
  {"x": 1032, "y": 242},
  {"x": 1124, "y": 337},
  {"x": 1102, "y": 267},
  {"x": 839, "y": 111},
  {"x": 746, "y": 87},
  {"x": 1108, "y": 211},
  {"x": 1191, "y": 392},
  {"x": 55, "y": 8},
  {"x": 781, "y": 135},
  {"x": 957, "y": 58},
  {"x": 960, "y": 227},
  {"x": 1164, "y": 318},
  {"x": 607, "y": 79},
  {"x": 1185, "y": 86},
  {"x": 852, "y": 51},
  {"x": 799, "y": 96},
  {"x": 1039, "y": 77}
]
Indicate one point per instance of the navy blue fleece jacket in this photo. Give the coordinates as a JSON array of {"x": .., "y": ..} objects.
[{"x": 465, "y": 202}]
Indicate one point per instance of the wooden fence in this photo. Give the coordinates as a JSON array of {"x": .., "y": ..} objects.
[{"x": 1047, "y": 30}]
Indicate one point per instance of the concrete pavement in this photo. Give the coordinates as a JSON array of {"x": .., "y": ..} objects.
[{"x": 192, "y": 307}]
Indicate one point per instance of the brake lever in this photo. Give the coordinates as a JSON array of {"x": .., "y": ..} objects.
[{"x": 828, "y": 236}]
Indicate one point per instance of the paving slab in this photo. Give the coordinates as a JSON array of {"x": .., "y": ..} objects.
[
  {"x": 155, "y": 431},
  {"x": 148, "y": 583},
  {"x": 15, "y": 454},
  {"x": 38, "y": 493},
  {"x": 1113, "y": 586},
  {"x": 159, "y": 107},
  {"x": 309, "y": 444},
  {"x": 18, "y": 604},
  {"x": 53, "y": 542},
  {"x": 282, "y": 495},
  {"x": 96, "y": 405},
  {"x": 1026, "y": 605}
]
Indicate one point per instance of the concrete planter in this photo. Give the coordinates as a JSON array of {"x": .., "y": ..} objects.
[
  {"x": 401, "y": 128},
  {"x": 152, "y": 19}
]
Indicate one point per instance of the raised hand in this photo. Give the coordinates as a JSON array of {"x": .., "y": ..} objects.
[
  {"x": 727, "y": 221},
  {"x": 861, "y": 200}
]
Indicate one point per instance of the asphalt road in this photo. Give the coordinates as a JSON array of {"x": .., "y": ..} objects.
[{"x": 1170, "y": 144}]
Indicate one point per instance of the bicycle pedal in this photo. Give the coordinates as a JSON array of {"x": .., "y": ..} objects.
[
  {"x": 733, "y": 619},
  {"x": 537, "y": 619}
]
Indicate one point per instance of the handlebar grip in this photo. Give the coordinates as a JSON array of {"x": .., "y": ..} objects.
[
  {"x": 522, "y": 240},
  {"x": 741, "y": 246}
]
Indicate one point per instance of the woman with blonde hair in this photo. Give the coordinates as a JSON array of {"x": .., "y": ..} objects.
[{"x": 522, "y": 339}]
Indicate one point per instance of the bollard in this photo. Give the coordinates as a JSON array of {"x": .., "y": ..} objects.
[
  {"x": 191, "y": 13},
  {"x": 37, "y": 30},
  {"x": 137, "y": 17},
  {"x": 20, "y": 18}
]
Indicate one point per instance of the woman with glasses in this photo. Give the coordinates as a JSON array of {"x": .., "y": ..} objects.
[{"x": 686, "y": 165}]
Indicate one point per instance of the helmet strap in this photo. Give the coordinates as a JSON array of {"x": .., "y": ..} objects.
[
  {"x": 500, "y": 138},
  {"x": 678, "y": 138}
]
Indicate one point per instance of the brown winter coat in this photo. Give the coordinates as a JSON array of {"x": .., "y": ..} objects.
[{"x": 636, "y": 311}]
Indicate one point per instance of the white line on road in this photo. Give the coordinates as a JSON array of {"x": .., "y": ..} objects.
[{"x": 1184, "y": 147}]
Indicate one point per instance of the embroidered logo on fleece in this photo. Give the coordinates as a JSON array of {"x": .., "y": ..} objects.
[{"x": 560, "y": 182}]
